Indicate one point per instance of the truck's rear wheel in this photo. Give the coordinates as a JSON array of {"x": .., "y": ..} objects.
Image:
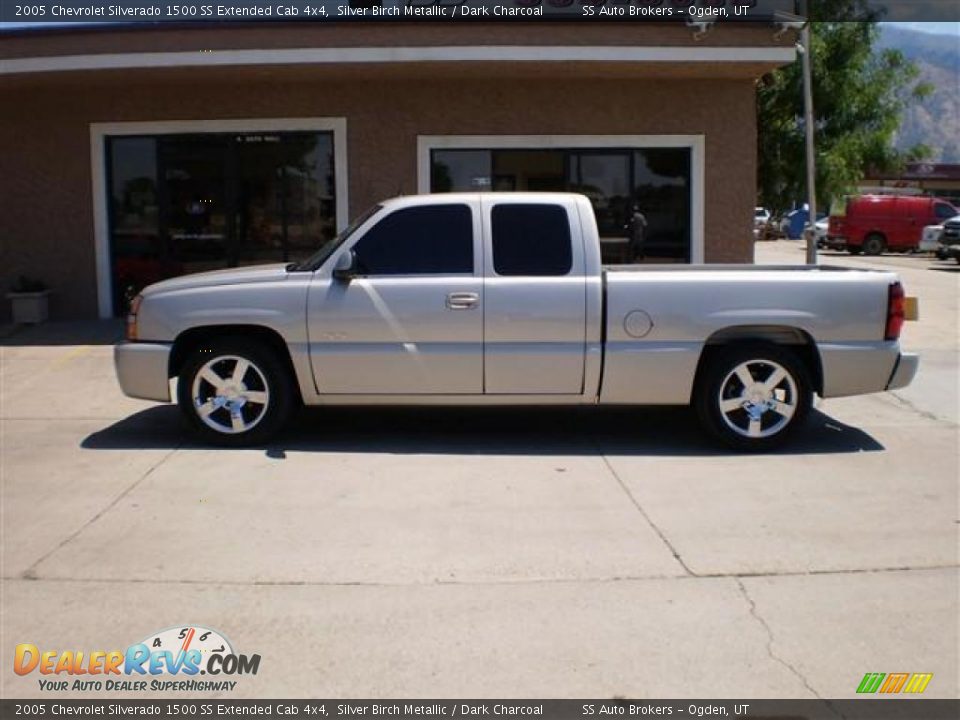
[
  {"x": 753, "y": 397},
  {"x": 874, "y": 244},
  {"x": 235, "y": 392}
]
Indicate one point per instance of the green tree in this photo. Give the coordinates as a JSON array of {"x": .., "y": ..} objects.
[{"x": 859, "y": 94}]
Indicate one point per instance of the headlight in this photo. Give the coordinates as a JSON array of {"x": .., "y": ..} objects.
[{"x": 132, "y": 317}]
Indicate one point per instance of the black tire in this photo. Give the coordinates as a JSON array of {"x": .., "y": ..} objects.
[
  {"x": 267, "y": 378},
  {"x": 940, "y": 254},
  {"x": 719, "y": 376},
  {"x": 874, "y": 244}
]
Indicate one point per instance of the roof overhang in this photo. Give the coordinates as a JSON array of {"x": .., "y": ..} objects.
[{"x": 326, "y": 56}]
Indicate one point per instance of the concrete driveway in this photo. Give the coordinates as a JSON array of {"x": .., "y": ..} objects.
[{"x": 441, "y": 553}]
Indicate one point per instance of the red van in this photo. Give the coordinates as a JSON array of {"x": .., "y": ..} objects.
[{"x": 875, "y": 223}]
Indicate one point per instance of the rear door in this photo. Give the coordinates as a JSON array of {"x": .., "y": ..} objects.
[
  {"x": 535, "y": 297},
  {"x": 911, "y": 216},
  {"x": 411, "y": 321},
  {"x": 892, "y": 220}
]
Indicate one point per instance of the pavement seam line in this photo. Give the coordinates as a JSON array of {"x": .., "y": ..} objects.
[
  {"x": 911, "y": 406},
  {"x": 472, "y": 583},
  {"x": 650, "y": 522},
  {"x": 770, "y": 640},
  {"x": 30, "y": 572}
]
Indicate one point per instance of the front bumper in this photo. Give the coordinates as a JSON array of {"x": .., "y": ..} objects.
[
  {"x": 904, "y": 371},
  {"x": 142, "y": 370}
]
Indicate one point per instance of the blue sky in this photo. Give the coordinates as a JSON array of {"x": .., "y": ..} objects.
[{"x": 940, "y": 28}]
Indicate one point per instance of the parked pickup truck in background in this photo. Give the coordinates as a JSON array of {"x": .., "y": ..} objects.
[
  {"x": 501, "y": 299},
  {"x": 949, "y": 240}
]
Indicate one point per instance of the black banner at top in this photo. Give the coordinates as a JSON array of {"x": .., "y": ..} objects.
[{"x": 31, "y": 12}]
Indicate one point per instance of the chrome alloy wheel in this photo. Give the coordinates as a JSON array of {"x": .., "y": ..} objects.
[
  {"x": 230, "y": 394},
  {"x": 758, "y": 398}
]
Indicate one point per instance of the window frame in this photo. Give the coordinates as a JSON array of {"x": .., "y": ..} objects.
[
  {"x": 99, "y": 132},
  {"x": 696, "y": 144}
]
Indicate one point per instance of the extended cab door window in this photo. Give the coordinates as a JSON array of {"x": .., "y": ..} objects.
[
  {"x": 410, "y": 322},
  {"x": 531, "y": 240},
  {"x": 433, "y": 239},
  {"x": 534, "y": 299}
]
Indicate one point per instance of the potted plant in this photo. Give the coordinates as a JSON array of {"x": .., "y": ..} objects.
[{"x": 30, "y": 300}]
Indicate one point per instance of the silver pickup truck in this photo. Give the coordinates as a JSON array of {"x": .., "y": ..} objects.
[{"x": 501, "y": 299}]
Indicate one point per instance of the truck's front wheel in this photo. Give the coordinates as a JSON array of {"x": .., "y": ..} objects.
[
  {"x": 752, "y": 398},
  {"x": 235, "y": 392}
]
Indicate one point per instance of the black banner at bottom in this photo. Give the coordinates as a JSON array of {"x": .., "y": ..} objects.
[{"x": 856, "y": 709}]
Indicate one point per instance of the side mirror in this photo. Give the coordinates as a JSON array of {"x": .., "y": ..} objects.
[{"x": 346, "y": 267}]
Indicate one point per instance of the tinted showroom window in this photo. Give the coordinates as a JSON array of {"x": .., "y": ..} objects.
[
  {"x": 436, "y": 239},
  {"x": 187, "y": 202},
  {"x": 531, "y": 240}
]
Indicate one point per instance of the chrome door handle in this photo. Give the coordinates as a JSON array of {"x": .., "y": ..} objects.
[{"x": 462, "y": 300}]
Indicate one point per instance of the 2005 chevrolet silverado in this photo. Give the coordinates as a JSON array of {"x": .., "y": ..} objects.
[{"x": 480, "y": 299}]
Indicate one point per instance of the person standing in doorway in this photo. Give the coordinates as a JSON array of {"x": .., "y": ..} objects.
[{"x": 638, "y": 231}]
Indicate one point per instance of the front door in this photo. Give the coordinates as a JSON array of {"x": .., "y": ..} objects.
[{"x": 411, "y": 321}]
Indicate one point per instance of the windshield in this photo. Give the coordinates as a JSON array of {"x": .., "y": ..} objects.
[{"x": 320, "y": 256}]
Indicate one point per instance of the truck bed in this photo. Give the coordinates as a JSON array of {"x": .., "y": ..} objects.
[{"x": 659, "y": 318}]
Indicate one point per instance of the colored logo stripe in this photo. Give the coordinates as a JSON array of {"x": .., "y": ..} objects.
[
  {"x": 918, "y": 683},
  {"x": 870, "y": 682},
  {"x": 894, "y": 683}
]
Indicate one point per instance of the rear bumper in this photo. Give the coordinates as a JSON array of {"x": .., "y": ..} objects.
[
  {"x": 142, "y": 370},
  {"x": 904, "y": 371},
  {"x": 858, "y": 368}
]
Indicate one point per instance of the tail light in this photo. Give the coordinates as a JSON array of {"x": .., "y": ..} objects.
[
  {"x": 132, "y": 317},
  {"x": 896, "y": 312}
]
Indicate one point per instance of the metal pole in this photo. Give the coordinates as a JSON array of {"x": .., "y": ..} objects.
[{"x": 811, "y": 160}]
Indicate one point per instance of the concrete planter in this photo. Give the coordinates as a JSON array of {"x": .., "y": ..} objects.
[{"x": 30, "y": 308}]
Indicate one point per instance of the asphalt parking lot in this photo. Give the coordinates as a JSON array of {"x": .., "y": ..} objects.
[{"x": 489, "y": 553}]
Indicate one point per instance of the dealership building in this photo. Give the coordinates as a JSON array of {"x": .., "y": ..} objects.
[{"x": 135, "y": 153}]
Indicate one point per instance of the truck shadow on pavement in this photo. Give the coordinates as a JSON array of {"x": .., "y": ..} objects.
[{"x": 479, "y": 431}]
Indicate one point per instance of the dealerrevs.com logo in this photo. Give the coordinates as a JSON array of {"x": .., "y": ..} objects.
[{"x": 166, "y": 661}]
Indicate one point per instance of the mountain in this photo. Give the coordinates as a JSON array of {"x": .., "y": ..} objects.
[{"x": 935, "y": 122}]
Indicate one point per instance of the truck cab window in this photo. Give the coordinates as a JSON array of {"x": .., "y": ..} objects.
[
  {"x": 427, "y": 240},
  {"x": 531, "y": 239},
  {"x": 944, "y": 211}
]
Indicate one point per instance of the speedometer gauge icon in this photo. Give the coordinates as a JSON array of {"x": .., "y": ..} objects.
[{"x": 191, "y": 637}]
